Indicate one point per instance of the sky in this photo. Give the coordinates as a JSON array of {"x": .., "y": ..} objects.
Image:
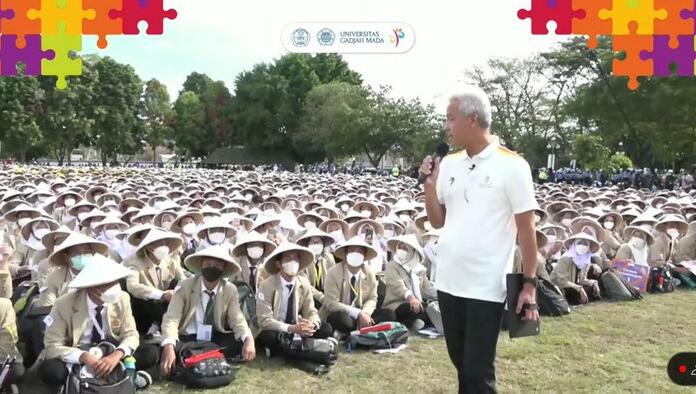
[{"x": 223, "y": 38}]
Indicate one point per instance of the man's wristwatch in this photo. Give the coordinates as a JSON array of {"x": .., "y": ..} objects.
[{"x": 534, "y": 281}]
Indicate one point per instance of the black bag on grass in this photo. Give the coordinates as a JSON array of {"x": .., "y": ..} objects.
[
  {"x": 117, "y": 382},
  {"x": 617, "y": 288},
  {"x": 660, "y": 281},
  {"x": 550, "y": 299},
  {"x": 319, "y": 351},
  {"x": 211, "y": 372}
]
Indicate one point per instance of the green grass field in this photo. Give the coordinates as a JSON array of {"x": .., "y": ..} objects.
[{"x": 605, "y": 347}]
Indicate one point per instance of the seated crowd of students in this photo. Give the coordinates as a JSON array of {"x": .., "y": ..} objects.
[{"x": 151, "y": 260}]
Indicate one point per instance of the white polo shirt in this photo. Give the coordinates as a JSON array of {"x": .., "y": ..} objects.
[{"x": 481, "y": 195}]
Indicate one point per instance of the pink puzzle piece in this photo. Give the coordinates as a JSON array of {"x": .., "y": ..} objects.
[
  {"x": 133, "y": 12},
  {"x": 545, "y": 11}
]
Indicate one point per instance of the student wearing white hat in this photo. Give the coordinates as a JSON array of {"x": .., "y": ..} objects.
[
  {"x": 50, "y": 240},
  {"x": 216, "y": 231},
  {"x": 70, "y": 257},
  {"x": 577, "y": 272},
  {"x": 206, "y": 306},
  {"x": 250, "y": 251},
  {"x": 107, "y": 231},
  {"x": 638, "y": 248},
  {"x": 96, "y": 311},
  {"x": 409, "y": 291},
  {"x": 284, "y": 302},
  {"x": 24, "y": 259},
  {"x": 187, "y": 224},
  {"x": 350, "y": 289},
  {"x": 318, "y": 242},
  {"x": 155, "y": 272}
]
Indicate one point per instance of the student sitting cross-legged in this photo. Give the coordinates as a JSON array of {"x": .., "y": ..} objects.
[
  {"x": 350, "y": 289},
  {"x": 96, "y": 311},
  {"x": 284, "y": 302},
  {"x": 206, "y": 307}
]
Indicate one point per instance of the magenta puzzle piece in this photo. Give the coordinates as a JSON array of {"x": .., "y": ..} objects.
[{"x": 133, "y": 12}]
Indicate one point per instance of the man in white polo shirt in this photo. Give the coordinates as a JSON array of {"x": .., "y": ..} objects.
[{"x": 482, "y": 198}]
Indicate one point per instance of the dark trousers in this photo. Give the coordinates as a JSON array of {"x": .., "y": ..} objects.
[
  {"x": 406, "y": 316},
  {"x": 270, "y": 339},
  {"x": 53, "y": 372},
  {"x": 342, "y": 321},
  {"x": 231, "y": 347},
  {"x": 471, "y": 332},
  {"x": 147, "y": 312}
]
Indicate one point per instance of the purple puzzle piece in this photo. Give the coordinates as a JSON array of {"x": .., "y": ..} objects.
[
  {"x": 31, "y": 55},
  {"x": 663, "y": 56}
]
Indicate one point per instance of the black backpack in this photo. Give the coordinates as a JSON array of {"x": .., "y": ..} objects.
[
  {"x": 247, "y": 301},
  {"x": 117, "y": 382},
  {"x": 660, "y": 281},
  {"x": 550, "y": 299},
  {"x": 208, "y": 373},
  {"x": 617, "y": 288}
]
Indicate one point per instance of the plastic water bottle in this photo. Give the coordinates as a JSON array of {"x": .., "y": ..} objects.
[{"x": 129, "y": 363}]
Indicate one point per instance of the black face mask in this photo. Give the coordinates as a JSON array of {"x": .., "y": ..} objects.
[{"x": 211, "y": 274}]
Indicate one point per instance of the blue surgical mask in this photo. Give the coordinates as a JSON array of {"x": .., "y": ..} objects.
[{"x": 81, "y": 261}]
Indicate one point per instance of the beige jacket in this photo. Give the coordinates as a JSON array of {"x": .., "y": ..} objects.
[
  {"x": 8, "y": 329},
  {"x": 566, "y": 274},
  {"x": 612, "y": 243},
  {"x": 326, "y": 261},
  {"x": 337, "y": 291},
  {"x": 70, "y": 318},
  {"x": 541, "y": 271},
  {"x": 625, "y": 253},
  {"x": 398, "y": 283},
  {"x": 143, "y": 280},
  {"x": 5, "y": 284},
  {"x": 686, "y": 249},
  {"x": 227, "y": 316},
  {"x": 244, "y": 276},
  {"x": 270, "y": 296},
  {"x": 22, "y": 257},
  {"x": 56, "y": 286}
]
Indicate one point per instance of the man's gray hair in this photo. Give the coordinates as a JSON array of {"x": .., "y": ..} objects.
[{"x": 474, "y": 101}]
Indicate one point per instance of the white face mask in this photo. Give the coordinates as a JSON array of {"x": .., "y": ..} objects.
[
  {"x": 566, "y": 222},
  {"x": 310, "y": 225},
  {"x": 23, "y": 221},
  {"x": 167, "y": 224},
  {"x": 255, "y": 252},
  {"x": 355, "y": 259},
  {"x": 216, "y": 238},
  {"x": 401, "y": 255},
  {"x": 269, "y": 211},
  {"x": 609, "y": 225},
  {"x": 110, "y": 234},
  {"x": 646, "y": 227},
  {"x": 161, "y": 252},
  {"x": 82, "y": 215},
  {"x": 366, "y": 212},
  {"x": 551, "y": 238},
  {"x": 40, "y": 232},
  {"x": 673, "y": 232},
  {"x": 207, "y": 219},
  {"x": 69, "y": 202},
  {"x": 189, "y": 228},
  {"x": 112, "y": 294},
  {"x": 638, "y": 243},
  {"x": 427, "y": 226},
  {"x": 405, "y": 218},
  {"x": 582, "y": 249},
  {"x": 291, "y": 267},
  {"x": 316, "y": 248},
  {"x": 537, "y": 219},
  {"x": 388, "y": 233},
  {"x": 344, "y": 207}
]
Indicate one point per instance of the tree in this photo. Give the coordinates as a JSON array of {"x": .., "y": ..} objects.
[
  {"x": 270, "y": 99},
  {"x": 344, "y": 119},
  {"x": 188, "y": 125},
  {"x": 65, "y": 114},
  {"x": 117, "y": 127},
  {"x": 157, "y": 113},
  {"x": 590, "y": 151},
  {"x": 619, "y": 161},
  {"x": 216, "y": 100},
  {"x": 19, "y": 107}
]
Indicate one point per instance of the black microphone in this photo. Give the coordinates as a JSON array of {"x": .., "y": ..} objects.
[{"x": 441, "y": 151}]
